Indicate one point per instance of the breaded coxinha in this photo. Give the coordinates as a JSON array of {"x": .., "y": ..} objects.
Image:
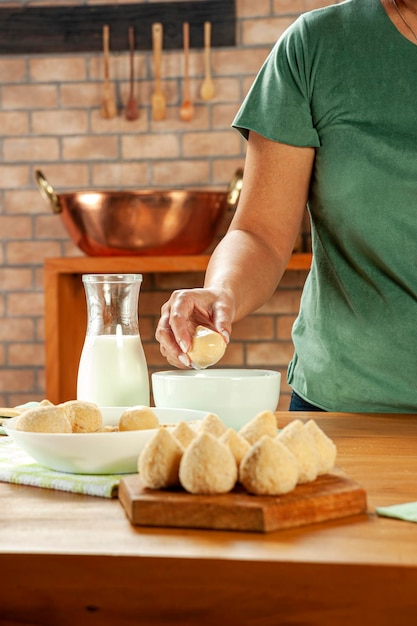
[
  {"x": 211, "y": 460},
  {"x": 269, "y": 468},
  {"x": 158, "y": 464},
  {"x": 301, "y": 443},
  {"x": 85, "y": 417},
  {"x": 138, "y": 418},
  {"x": 208, "y": 466},
  {"x": 212, "y": 424},
  {"x": 238, "y": 445},
  {"x": 44, "y": 419},
  {"x": 184, "y": 434},
  {"x": 207, "y": 347},
  {"x": 264, "y": 423},
  {"x": 326, "y": 448}
]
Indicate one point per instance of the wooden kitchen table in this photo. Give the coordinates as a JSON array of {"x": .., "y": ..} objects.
[{"x": 70, "y": 560}]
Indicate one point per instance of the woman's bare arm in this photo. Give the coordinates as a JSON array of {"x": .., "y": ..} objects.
[
  {"x": 251, "y": 259},
  {"x": 248, "y": 263}
]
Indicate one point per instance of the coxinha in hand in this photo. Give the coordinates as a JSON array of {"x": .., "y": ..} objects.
[{"x": 207, "y": 348}]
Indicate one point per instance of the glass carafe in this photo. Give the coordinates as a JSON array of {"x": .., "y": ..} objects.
[{"x": 113, "y": 369}]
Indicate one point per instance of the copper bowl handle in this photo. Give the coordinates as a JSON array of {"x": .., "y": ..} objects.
[
  {"x": 47, "y": 192},
  {"x": 234, "y": 189}
]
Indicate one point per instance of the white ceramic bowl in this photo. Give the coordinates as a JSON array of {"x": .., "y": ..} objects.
[
  {"x": 95, "y": 453},
  {"x": 235, "y": 395}
]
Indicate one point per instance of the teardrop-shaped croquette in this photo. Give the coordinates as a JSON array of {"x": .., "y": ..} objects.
[
  {"x": 301, "y": 443},
  {"x": 326, "y": 448},
  {"x": 238, "y": 445},
  {"x": 159, "y": 461},
  {"x": 184, "y": 434},
  {"x": 269, "y": 468},
  {"x": 208, "y": 466},
  {"x": 212, "y": 424},
  {"x": 264, "y": 423}
]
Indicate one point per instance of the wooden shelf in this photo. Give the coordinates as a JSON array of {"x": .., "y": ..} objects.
[
  {"x": 61, "y": 29},
  {"x": 65, "y": 306}
]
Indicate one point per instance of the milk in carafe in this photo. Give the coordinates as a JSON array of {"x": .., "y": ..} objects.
[{"x": 112, "y": 369}]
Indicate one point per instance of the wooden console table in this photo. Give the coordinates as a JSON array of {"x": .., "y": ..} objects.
[{"x": 66, "y": 310}]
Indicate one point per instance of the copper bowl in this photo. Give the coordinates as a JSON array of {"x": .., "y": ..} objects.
[{"x": 146, "y": 222}]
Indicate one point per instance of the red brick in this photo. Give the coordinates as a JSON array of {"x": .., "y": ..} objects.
[
  {"x": 31, "y": 252},
  {"x": 15, "y": 279},
  {"x": 25, "y": 305},
  {"x": 89, "y": 147},
  {"x": 14, "y": 123},
  {"x": 15, "y": 227},
  {"x": 254, "y": 328},
  {"x": 269, "y": 354},
  {"x": 14, "y": 380},
  {"x": 31, "y": 149},
  {"x": 26, "y": 354},
  {"x": 284, "y": 324},
  {"x": 17, "y": 329}
]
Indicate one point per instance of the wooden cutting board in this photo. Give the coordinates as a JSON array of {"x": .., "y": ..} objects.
[{"x": 331, "y": 496}]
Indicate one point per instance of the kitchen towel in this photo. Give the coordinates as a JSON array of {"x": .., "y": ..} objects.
[
  {"x": 18, "y": 467},
  {"x": 406, "y": 511}
]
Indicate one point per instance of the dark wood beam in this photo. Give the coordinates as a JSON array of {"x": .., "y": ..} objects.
[{"x": 61, "y": 29}]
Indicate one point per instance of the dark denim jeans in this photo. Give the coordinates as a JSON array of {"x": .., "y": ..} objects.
[{"x": 298, "y": 404}]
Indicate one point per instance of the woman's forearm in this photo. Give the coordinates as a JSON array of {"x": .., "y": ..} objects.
[{"x": 244, "y": 266}]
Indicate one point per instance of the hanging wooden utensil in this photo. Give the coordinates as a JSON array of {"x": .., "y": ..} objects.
[
  {"x": 207, "y": 91},
  {"x": 186, "y": 109},
  {"x": 108, "y": 104},
  {"x": 158, "y": 97},
  {"x": 132, "y": 110}
]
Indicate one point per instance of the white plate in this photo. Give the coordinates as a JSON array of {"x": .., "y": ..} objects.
[{"x": 95, "y": 453}]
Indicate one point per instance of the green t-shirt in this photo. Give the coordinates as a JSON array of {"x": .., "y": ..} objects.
[{"x": 344, "y": 80}]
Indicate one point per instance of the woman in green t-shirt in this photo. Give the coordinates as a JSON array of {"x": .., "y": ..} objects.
[{"x": 330, "y": 122}]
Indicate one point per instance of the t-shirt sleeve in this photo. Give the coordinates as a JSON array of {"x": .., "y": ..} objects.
[{"x": 277, "y": 105}]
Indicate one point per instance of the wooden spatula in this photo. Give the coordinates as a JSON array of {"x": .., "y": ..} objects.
[
  {"x": 132, "y": 110},
  {"x": 108, "y": 105},
  {"x": 207, "y": 90},
  {"x": 158, "y": 97},
  {"x": 186, "y": 109}
]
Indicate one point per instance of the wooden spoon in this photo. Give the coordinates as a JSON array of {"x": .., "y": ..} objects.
[
  {"x": 187, "y": 109},
  {"x": 108, "y": 105},
  {"x": 207, "y": 90},
  {"x": 132, "y": 111},
  {"x": 158, "y": 97}
]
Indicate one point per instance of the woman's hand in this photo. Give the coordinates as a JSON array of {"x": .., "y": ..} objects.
[{"x": 183, "y": 312}]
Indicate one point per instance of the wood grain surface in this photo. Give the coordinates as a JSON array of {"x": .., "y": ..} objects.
[
  {"x": 68, "y": 559},
  {"x": 332, "y": 496}
]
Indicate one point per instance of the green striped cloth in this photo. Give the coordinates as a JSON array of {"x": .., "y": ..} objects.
[{"x": 18, "y": 467}]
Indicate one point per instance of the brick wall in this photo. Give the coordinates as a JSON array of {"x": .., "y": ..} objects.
[{"x": 49, "y": 119}]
